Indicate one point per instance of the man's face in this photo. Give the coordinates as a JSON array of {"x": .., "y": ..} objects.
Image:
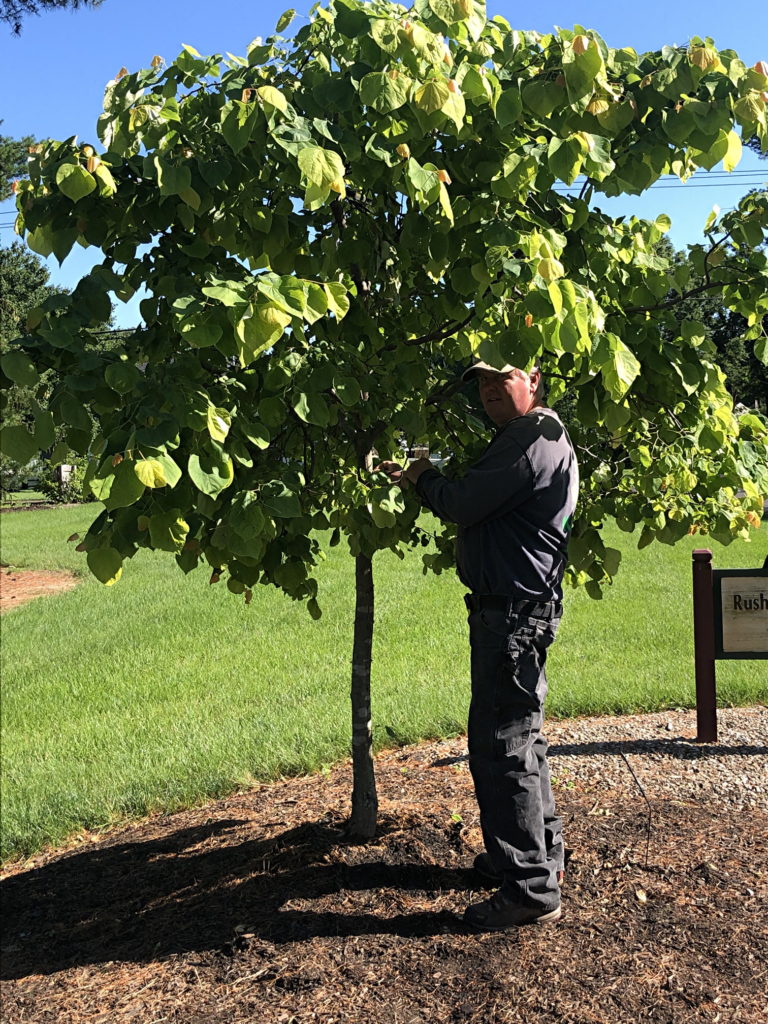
[{"x": 507, "y": 395}]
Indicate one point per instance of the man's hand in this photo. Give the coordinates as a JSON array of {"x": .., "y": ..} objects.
[
  {"x": 403, "y": 476},
  {"x": 414, "y": 471},
  {"x": 393, "y": 470}
]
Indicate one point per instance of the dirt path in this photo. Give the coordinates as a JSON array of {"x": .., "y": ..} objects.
[
  {"x": 17, "y": 586},
  {"x": 255, "y": 908}
]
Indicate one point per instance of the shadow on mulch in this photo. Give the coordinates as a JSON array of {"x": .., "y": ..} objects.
[
  {"x": 256, "y": 908},
  {"x": 143, "y": 900}
]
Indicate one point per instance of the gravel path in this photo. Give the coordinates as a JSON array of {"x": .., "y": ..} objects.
[
  {"x": 602, "y": 753},
  {"x": 663, "y": 753}
]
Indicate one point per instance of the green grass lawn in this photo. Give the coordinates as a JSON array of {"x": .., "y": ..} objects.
[
  {"x": 161, "y": 691},
  {"x": 22, "y": 498}
]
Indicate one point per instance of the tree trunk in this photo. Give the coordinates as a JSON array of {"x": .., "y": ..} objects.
[{"x": 365, "y": 804}]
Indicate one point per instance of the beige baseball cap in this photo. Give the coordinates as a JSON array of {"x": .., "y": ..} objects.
[
  {"x": 472, "y": 370},
  {"x": 507, "y": 368}
]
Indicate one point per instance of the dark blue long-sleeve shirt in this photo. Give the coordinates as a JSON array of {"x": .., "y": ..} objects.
[{"x": 514, "y": 508}]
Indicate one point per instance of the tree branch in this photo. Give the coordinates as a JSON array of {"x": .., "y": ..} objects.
[
  {"x": 441, "y": 333},
  {"x": 668, "y": 303}
]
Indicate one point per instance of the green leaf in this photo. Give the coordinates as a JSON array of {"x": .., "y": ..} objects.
[
  {"x": 42, "y": 240},
  {"x": 733, "y": 152},
  {"x": 150, "y": 472},
  {"x": 450, "y": 12},
  {"x": 20, "y": 368},
  {"x": 432, "y": 96},
  {"x": 347, "y": 389},
  {"x": 246, "y": 517},
  {"x": 612, "y": 560},
  {"x": 594, "y": 590},
  {"x": 172, "y": 180},
  {"x": 257, "y": 433},
  {"x": 312, "y": 408},
  {"x": 719, "y": 150},
  {"x": 168, "y": 530},
  {"x": 272, "y": 99},
  {"x": 385, "y": 91},
  {"x": 581, "y": 69},
  {"x": 201, "y": 330},
  {"x": 542, "y": 97},
  {"x": 382, "y": 518},
  {"x": 386, "y": 33},
  {"x": 171, "y": 471},
  {"x": 272, "y": 411},
  {"x": 75, "y": 182},
  {"x": 122, "y": 376},
  {"x": 107, "y": 184},
  {"x": 99, "y": 478},
  {"x": 565, "y": 157},
  {"x": 338, "y": 299},
  {"x": 238, "y": 123},
  {"x": 211, "y": 472},
  {"x": 259, "y": 330},
  {"x": 74, "y": 413},
  {"x": 279, "y": 500},
  {"x": 18, "y": 444},
  {"x": 126, "y": 487},
  {"x": 621, "y": 370},
  {"x": 219, "y": 421},
  {"x": 106, "y": 564},
  {"x": 228, "y": 293},
  {"x": 321, "y": 166},
  {"x": 510, "y": 107},
  {"x": 285, "y": 20}
]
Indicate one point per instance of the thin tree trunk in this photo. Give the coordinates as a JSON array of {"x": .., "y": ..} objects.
[{"x": 365, "y": 804}]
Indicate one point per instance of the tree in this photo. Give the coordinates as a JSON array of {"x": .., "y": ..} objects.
[
  {"x": 13, "y": 11},
  {"x": 23, "y": 286},
  {"x": 746, "y": 376},
  {"x": 13, "y": 162},
  {"x": 328, "y": 225}
]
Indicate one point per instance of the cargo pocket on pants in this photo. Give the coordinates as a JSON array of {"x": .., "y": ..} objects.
[{"x": 513, "y": 730}]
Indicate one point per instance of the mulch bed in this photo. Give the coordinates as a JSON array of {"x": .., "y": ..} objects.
[
  {"x": 17, "y": 586},
  {"x": 256, "y": 908}
]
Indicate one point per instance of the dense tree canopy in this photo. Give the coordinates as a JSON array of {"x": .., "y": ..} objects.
[
  {"x": 325, "y": 225},
  {"x": 329, "y": 226}
]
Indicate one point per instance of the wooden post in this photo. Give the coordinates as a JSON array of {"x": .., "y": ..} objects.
[{"x": 704, "y": 646}]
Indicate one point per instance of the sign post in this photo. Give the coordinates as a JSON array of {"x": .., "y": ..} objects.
[
  {"x": 704, "y": 647},
  {"x": 730, "y": 620}
]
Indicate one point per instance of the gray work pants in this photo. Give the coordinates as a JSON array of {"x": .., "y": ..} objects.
[{"x": 507, "y": 753}]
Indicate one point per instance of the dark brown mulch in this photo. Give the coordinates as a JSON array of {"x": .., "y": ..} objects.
[{"x": 255, "y": 908}]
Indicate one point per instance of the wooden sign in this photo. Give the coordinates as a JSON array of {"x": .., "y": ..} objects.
[
  {"x": 730, "y": 620},
  {"x": 741, "y": 613}
]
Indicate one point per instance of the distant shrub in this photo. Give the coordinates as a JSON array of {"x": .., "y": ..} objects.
[{"x": 62, "y": 487}]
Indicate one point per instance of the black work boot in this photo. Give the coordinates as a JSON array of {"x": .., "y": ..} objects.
[{"x": 500, "y": 912}]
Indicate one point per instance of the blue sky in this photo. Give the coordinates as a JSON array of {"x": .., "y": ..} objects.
[{"x": 52, "y": 78}]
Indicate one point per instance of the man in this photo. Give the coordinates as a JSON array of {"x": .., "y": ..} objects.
[{"x": 513, "y": 508}]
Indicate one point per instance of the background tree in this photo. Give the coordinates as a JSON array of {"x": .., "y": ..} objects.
[
  {"x": 14, "y": 155},
  {"x": 14, "y": 11},
  {"x": 746, "y": 375},
  {"x": 23, "y": 286},
  {"x": 326, "y": 227}
]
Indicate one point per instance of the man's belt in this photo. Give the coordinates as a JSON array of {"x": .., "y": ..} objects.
[{"x": 509, "y": 605}]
